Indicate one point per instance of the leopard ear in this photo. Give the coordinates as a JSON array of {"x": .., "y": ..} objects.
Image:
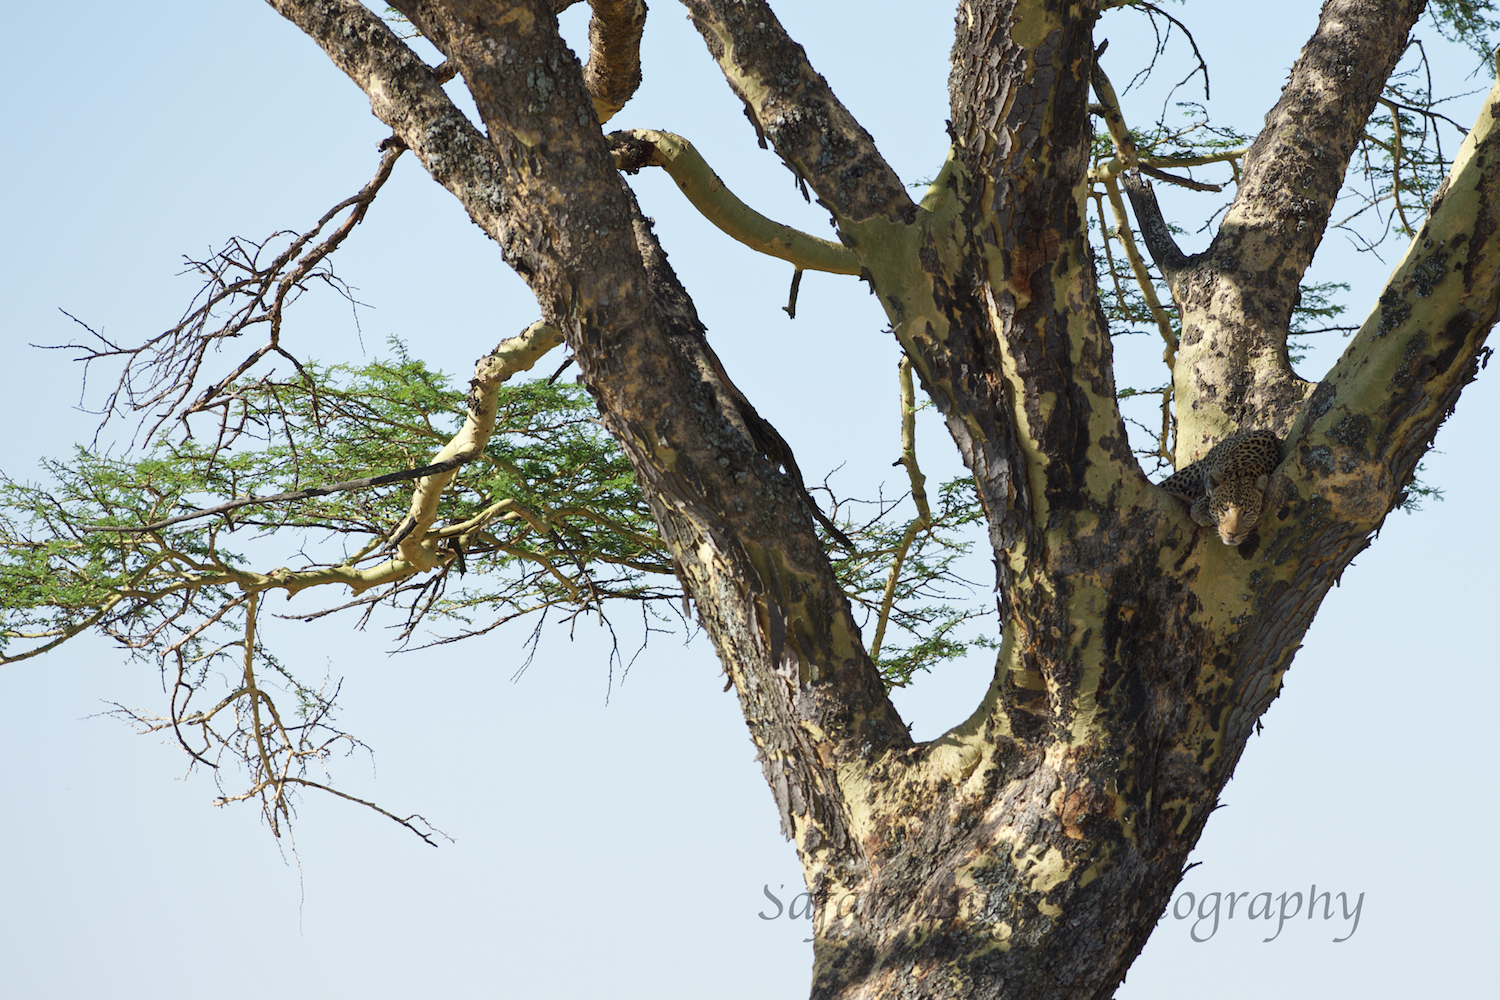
[
  {"x": 1262, "y": 482},
  {"x": 1213, "y": 477}
]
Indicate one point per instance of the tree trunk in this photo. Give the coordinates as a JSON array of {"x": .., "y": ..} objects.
[{"x": 1028, "y": 852}]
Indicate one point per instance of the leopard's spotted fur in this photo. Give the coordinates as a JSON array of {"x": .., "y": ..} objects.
[{"x": 1227, "y": 486}]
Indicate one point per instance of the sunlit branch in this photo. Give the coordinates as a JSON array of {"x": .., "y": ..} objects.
[
  {"x": 918, "y": 495},
  {"x": 1396, "y": 164},
  {"x": 1142, "y": 275},
  {"x": 517, "y": 354},
  {"x": 1109, "y": 254},
  {"x": 614, "y": 68},
  {"x": 1114, "y": 121},
  {"x": 639, "y": 148}
]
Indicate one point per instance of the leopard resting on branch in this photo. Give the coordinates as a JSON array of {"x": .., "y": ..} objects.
[{"x": 1227, "y": 486}]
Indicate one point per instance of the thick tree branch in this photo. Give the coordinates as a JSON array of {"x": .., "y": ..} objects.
[
  {"x": 1357, "y": 440},
  {"x": 790, "y": 104},
  {"x": 614, "y": 68},
  {"x": 407, "y": 95},
  {"x": 1237, "y": 298},
  {"x": 1019, "y": 99},
  {"x": 1295, "y": 167},
  {"x": 648, "y": 148},
  {"x": 1365, "y": 427},
  {"x": 1155, "y": 232},
  {"x": 737, "y": 524}
]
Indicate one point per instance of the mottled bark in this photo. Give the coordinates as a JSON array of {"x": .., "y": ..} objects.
[
  {"x": 1236, "y": 298},
  {"x": 1028, "y": 852},
  {"x": 613, "y": 71}
]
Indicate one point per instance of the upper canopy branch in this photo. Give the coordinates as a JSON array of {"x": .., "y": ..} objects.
[
  {"x": 1364, "y": 428},
  {"x": 407, "y": 95},
  {"x": 790, "y": 104},
  {"x": 1294, "y": 170},
  {"x": 1236, "y": 298},
  {"x": 1359, "y": 436},
  {"x": 613, "y": 71}
]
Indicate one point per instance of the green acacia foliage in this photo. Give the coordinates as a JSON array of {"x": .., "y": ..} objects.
[{"x": 552, "y": 519}]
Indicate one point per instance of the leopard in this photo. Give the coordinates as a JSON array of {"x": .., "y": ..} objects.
[{"x": 1227, "y": 487}]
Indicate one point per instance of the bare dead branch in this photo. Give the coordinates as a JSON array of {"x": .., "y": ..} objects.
[
  {"x": 408, "y": 821},
  {"x": 162, "y": 372}
]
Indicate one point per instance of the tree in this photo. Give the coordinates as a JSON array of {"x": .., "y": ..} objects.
[{"x": 1139, "y": 767}]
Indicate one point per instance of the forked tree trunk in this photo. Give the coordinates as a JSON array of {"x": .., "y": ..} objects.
[{"x": 1028, "y": 852}]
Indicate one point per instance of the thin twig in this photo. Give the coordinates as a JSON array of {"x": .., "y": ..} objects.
[{"x": 307, "y": 494}]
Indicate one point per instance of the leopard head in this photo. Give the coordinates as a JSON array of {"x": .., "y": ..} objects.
[{"x": 1234, "y": 504}]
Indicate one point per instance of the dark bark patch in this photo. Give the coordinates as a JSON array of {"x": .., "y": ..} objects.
[
  {"x": 1321, "y": 399},
  {"x": 1456, "y": 332},
  {"x": 1318, "y": 459},
  {"x": 1429, "y": 272},
  {"x": 1394, "y": 310},
  {"x": 1352, "y": 433}
]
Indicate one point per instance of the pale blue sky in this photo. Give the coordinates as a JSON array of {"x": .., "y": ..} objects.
[{"x": 621, "y": 851}]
